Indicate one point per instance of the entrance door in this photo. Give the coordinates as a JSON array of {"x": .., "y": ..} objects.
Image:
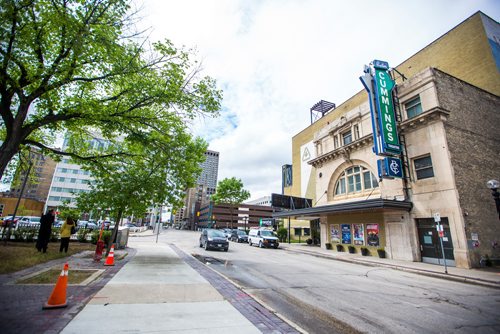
[{"x": 430, "y": 245}]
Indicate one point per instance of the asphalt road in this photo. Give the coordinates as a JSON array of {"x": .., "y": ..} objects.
[{"x": 328, "y": 296}]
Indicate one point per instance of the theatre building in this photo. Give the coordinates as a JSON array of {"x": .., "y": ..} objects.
[{"x": 446, "y": 115}]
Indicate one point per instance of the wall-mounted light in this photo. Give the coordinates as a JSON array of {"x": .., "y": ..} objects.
[{"x": 494, "y": 185}]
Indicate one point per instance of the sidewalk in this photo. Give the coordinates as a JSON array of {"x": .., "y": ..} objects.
[
  {"x": 163, "y": 290},
  {"x": 489, "y": 276}
]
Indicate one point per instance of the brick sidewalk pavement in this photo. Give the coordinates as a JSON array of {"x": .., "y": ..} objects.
[
  {"x": 266, "y": 321},
  {"x": 21, "y": 304}
]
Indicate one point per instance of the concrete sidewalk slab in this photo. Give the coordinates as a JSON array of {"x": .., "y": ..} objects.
[
  {"x": 207, "y": 317},
  {"x": 156, "y": 291}
]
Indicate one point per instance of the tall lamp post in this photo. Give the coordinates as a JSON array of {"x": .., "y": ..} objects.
[
  {"x": 245, "y": 219},
  {"x": 494, "y": 185}
]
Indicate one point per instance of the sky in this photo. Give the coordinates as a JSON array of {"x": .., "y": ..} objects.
[{"x": 275, "y": 59}]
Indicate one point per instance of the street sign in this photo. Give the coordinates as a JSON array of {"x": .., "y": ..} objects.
[{"x": 437, "y": 217}]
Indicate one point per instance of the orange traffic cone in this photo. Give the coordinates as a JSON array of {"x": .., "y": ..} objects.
[
  {"x": 110, "y": 260},
  {"x": 58, "y": 297}
]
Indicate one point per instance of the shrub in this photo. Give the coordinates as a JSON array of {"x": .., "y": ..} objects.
[
  {"x": 19, "y": 234},
  {"x": 54, "y": 234},
  {"x": 106, "y": 235},
  {"x": 94, "y": 237},
  {"x": 81, "y": 235},
  {"x": 282, "y": 234},
  {"x": 29, "y": 234}
]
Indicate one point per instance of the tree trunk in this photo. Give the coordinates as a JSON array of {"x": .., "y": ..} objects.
[
  {"x": 114, "y": 234},
  {"x": 7, "y": 151}
]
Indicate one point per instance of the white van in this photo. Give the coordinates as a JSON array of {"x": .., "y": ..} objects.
[{"x": 263, "y": 237}]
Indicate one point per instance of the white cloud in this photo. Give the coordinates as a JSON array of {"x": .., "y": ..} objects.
[{"x": 275, "y": 59}]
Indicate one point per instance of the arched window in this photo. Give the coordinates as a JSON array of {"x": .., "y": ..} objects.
[{"x": 355, "y": 179}]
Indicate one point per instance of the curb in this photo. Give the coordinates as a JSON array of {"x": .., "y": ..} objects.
[
  {"x": 451, "y": 277},
  {"x": 239, "y": 287},
  {"x": 258, "y": 300}
]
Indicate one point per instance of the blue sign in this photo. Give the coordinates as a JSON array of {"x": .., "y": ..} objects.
[
  {"x": 390, "y": 168},
  {"x": 380, "y": 64},
  {"x": 346, "y": 233}
]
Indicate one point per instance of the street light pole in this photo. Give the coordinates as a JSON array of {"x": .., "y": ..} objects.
[
  {"x": 494, "y": 185},
  {"x": 245, "y": 219}
]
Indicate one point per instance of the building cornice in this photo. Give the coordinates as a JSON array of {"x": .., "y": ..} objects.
[
  {"x": 343, "y": 152},
  {"x": 429, "y": 116}
]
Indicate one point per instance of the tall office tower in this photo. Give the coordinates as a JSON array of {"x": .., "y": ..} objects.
[
  {"x": 208, "y": 176},
  {"x": 205, "y": 187}
]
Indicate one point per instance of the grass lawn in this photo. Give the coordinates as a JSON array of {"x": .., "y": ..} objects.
[
  {"x": 50, "y": 276},
  {"x": 16, "y": 256}
]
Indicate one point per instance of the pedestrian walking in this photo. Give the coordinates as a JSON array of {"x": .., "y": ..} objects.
[
  {"x": 67, "y": 229},
  {"x": 45, "y": 231}
]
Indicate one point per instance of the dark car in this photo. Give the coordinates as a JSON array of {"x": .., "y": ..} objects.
[
  {"x": 238, "y": 236},
  {"x": 213, "y": 239}
]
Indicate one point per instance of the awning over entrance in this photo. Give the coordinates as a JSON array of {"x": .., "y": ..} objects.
[{"x": 371, "y": 204}]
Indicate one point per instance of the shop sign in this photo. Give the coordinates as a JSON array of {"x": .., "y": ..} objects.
[
  {"x": 266, "y": 222},
  {"x": 379, "y": 86},
  {"x": 372, "y": 238},
  {"x": 359, "y": 234},
  {"x": 346, "y": 233},
  {"x": 385, "y": 112}
]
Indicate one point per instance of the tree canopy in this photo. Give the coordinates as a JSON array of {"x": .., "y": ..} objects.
[
  {"x": 150, "y": 178},
  {"x": 77, "y": 66},
  {"x": 230, "y": 191}
]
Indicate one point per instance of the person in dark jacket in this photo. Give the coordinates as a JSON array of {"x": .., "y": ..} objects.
[{"x": 45, "y": 231}]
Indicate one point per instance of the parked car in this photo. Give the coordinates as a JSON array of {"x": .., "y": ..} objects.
[
  {"x": 29, "y": 221},
  {"x": 213, "y": 239},
  {"x": 7, "y": 219},
  {"x": 238, "y": 236},
  {"x": 227, "y": 232},
  {"x": 263, "y": 237},
  {"x": 108, "y": 224},
  {"x": 132, "y": 227},
  {"x": 58, "y": 223},
  {"x": 87, "y": 225}
]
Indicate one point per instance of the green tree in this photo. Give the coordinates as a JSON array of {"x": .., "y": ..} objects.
[
  {"x": 230, "y": 191},
  {"x": 77, "y": 66},
  {"x": 162, "y": 166},
  {"x": 282, "y": 234}
]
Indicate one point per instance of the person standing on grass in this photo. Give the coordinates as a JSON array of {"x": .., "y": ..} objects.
[
  {"x": 45, "y": 231},
  {"x": 66, "y": 231}
]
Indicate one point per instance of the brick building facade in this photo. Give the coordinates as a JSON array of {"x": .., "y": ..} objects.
[{"x": 447, "y": 94}]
